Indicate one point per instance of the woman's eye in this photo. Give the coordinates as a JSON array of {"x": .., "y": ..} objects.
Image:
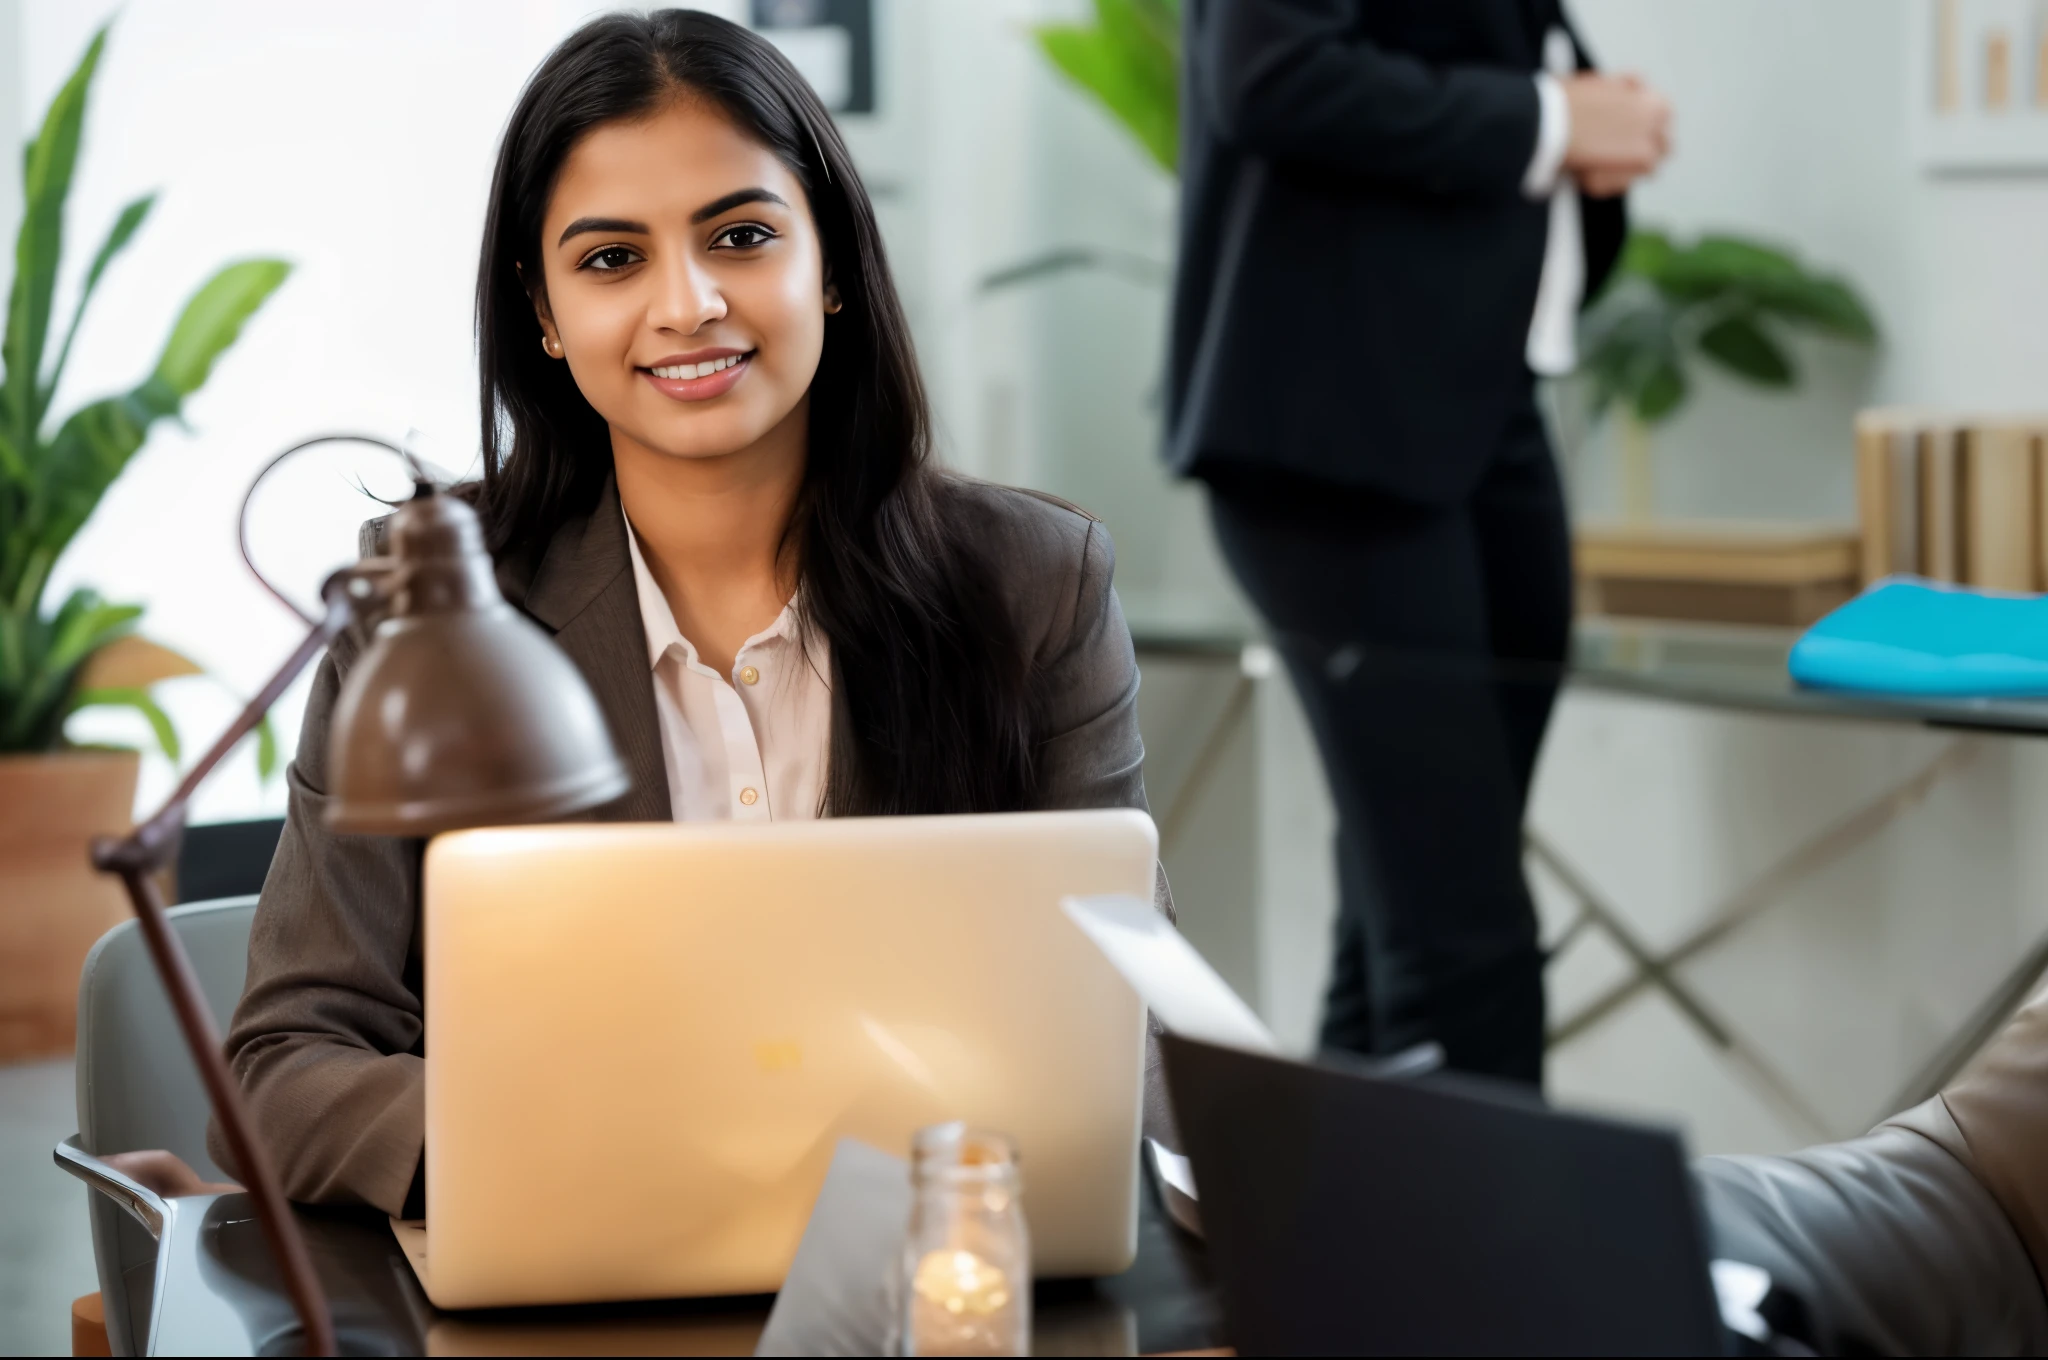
[
  {"x": 746, "y": 236},
  {"x": 610, "y": 258}
]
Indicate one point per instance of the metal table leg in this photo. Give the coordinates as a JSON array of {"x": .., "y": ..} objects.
[
  {"x": 1657, "y": 970},
  {"x": 1254, "y": 662}
]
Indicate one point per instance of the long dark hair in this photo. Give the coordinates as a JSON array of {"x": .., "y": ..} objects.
[{"x": 930, "y": 702}]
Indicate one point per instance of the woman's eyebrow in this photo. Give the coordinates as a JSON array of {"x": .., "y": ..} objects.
[
  {"x": 586, "y": 224},
  {"x": 734, "y": 200}
]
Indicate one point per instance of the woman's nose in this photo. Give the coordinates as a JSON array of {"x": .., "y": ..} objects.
[{"x": 687, "y": 297}]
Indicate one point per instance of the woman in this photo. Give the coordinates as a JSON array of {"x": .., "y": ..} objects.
[{"x": 706, "y": 469}]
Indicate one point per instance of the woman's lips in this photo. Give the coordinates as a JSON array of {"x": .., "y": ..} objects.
[{"x": 701, "y": 389}]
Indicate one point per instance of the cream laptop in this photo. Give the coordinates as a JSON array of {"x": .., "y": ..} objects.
[{"x": 644, "y": 1041}]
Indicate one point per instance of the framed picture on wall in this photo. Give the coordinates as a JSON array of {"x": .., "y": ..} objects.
[
  {"x": 1977, "y": 85},
  {"x": 831, "y": 41}
]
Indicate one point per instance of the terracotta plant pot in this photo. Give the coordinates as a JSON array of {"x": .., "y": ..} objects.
[{"x": 53, "y": 904}]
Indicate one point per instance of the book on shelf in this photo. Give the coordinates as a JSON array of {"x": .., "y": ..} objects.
[{"x": 1953, "y": 497}]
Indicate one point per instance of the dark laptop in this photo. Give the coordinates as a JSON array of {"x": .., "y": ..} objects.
[{"x": 1352, "y": 1214}]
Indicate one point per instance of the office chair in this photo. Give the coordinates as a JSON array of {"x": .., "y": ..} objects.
[
  {"x": 226, "y": 859},
  {"x": 137, "y": 1089}
]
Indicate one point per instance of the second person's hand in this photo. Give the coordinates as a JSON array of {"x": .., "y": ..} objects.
[{"x": 1620, "y": 131}]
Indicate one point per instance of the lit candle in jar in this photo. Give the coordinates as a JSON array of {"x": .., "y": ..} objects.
[
  {"x": 961, "y": 1283},
  {"x": 966, "y": 1281}
]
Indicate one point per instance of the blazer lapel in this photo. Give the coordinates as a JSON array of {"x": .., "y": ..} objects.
[{"x": 583, "y": 592}]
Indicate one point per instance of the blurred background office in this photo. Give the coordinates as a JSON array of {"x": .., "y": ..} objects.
[{"x": 1848, "y": 893}]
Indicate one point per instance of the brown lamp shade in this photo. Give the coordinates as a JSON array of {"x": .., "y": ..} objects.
[{"x": 461, "y": 712}]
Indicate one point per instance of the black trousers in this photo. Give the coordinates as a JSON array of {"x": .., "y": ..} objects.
[{"x": 1427, "y": 643}]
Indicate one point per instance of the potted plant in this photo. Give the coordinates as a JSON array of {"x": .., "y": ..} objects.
[
  {"x": 1723, "y": 299},
  {"x": 60, "y": 656}
]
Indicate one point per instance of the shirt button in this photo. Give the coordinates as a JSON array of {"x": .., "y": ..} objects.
[
  {"x": 748, "y": 675},
  {"x": 749, "y": 797}
]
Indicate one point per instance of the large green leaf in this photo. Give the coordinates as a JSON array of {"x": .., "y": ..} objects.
[
  {"x": 1826, "y": 305},
  {"x": 1661, "y": 394},
  {"x": 1737, "y": 258},
  {"x": 90, "y": 450},
  {"x": 123, "y": 230},
  {"x": 266, "y": 748},
  {"x": 1147, "y": 32},
  {"x": 14, "y": 470},
  {"x": 142, "y": 702},
  {"x": 1742, "y": 347},
  {"x": 85, "y": 624},
  {"x": 1627, "y": 339},
  {"x": 213, "y": 318},
  {"x": 47, "y": 167},
  {"x": 1645, "y": 253},
  {"x": 1129, "y": 59},
  {"x": 1716, "y": 266},
  {"x": 40, "y": 660},
  {"x": 93, "y": 446}
]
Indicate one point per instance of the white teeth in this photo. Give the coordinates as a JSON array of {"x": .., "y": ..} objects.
[{"x": 703, "y": 370}]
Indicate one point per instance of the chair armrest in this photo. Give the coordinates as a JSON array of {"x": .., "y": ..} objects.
[{"x": 142, "y": 1203}]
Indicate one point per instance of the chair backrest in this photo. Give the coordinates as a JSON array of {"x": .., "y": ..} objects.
[
  {"x": 226, "y": 859},
  {"x": 137, "y": 1087}
]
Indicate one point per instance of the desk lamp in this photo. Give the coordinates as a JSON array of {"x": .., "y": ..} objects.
[{"x": 460, "y": 712}]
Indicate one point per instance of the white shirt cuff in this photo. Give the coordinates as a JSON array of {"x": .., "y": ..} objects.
[{"x": 1553, "y": 135}]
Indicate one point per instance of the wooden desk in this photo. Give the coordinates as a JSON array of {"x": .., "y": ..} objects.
[{"x": 217, "y": 1294}]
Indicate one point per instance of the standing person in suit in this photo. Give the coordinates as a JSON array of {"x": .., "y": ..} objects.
[{"x": 1391, "y": 211}]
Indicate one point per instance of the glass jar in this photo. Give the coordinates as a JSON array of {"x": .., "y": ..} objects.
[{"x": 966, "y": 1282}]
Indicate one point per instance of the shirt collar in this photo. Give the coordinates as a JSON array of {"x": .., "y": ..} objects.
[{"x": 658, "y": 621}]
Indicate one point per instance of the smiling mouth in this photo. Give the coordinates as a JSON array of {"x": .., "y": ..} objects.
[{"x": 704, "y": 370}]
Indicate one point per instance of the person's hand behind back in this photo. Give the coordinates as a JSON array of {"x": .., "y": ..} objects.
[{"x": 1620, "y": 131}]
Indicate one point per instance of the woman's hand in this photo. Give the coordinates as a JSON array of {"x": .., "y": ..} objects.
[{"x": 166, "y": 1174}]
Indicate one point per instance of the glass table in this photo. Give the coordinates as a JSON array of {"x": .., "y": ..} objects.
[{"x": 1707, "y": 666}]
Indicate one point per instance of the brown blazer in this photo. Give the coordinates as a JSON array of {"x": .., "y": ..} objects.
[{"x": 329, "y": 1039}]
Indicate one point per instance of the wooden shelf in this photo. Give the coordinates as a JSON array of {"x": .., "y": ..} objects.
[{"x": 1718, "y": 571}]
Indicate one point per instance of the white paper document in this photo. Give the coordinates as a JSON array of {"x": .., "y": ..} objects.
[{"x": 1172, "y": 979}]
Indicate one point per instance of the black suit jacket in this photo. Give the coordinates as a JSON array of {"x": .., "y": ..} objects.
[{"x": 1358, "y": 265}]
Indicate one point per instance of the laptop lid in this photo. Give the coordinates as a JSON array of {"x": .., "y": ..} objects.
[
  {"x": 1348, "y": 1214},
  {"x": 645, "y": 1041}
]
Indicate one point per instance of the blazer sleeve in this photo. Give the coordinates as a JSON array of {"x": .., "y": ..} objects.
[
  {"x": 1091, "y": 755},
  {"x": 327, "y": 1039},
  {"x": 1289, "y": 80}
]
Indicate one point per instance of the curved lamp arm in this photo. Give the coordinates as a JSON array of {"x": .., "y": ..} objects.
[{"x": 136, "y": 857}]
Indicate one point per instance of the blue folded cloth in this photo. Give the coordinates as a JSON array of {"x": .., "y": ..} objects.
[{"x": 1907, "y": 636}]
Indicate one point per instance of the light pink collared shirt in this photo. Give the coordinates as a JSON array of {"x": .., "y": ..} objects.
[{"x": 750, "y": 746}]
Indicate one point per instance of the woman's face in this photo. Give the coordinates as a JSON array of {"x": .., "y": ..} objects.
[{"x": 683, "y": 283}]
